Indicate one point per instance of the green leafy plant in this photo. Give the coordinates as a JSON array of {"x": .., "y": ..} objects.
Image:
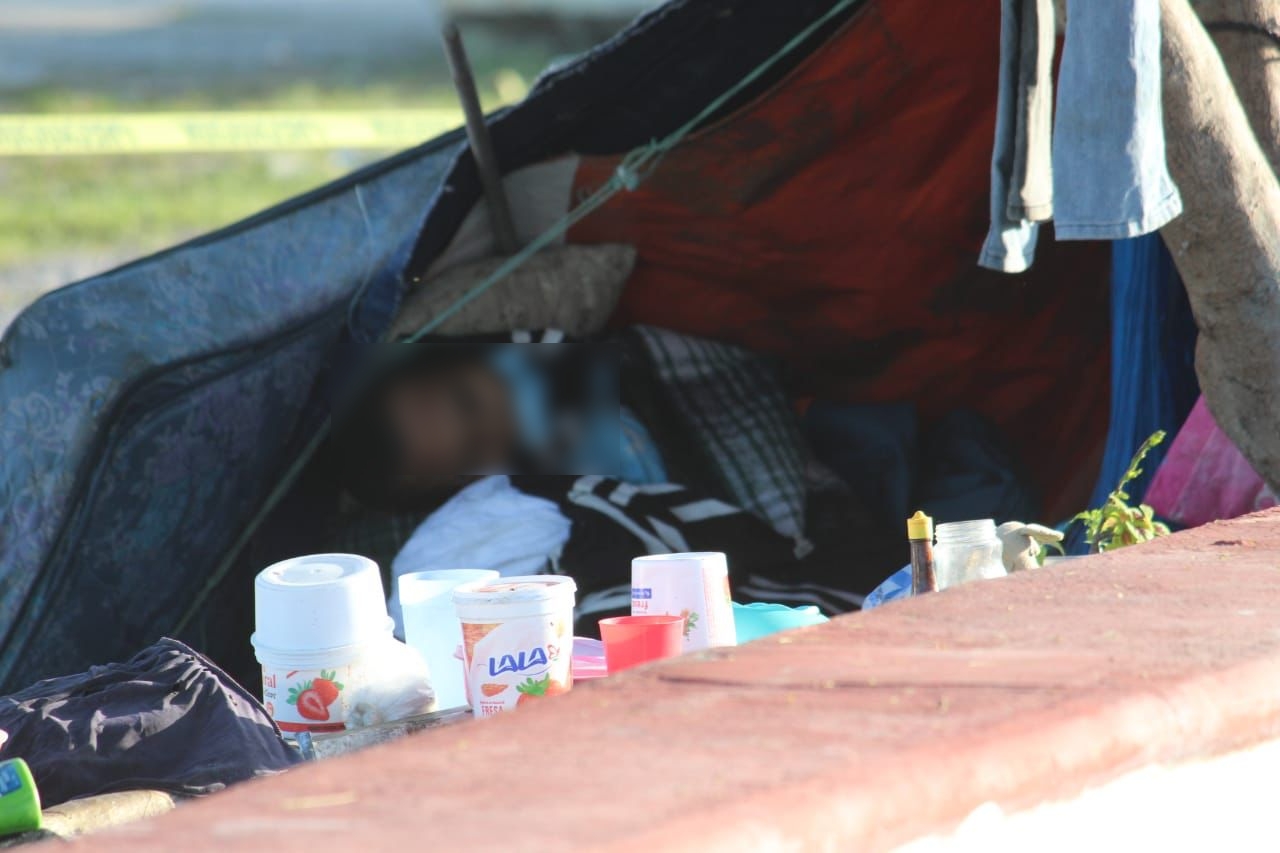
[{"x": 1116, "y": 524}]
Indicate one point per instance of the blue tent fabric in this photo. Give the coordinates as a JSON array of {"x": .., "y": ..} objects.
[
  {"x": 142, "y": 407},
  {"x": 1153, "y": 378}
]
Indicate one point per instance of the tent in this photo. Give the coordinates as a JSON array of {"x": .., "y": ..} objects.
[{"x": 829, "y": 213}]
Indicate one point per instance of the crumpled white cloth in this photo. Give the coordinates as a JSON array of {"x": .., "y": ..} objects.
[
  {"x": 1020, "y": 544},
  {"x": 488, "y": 525}
]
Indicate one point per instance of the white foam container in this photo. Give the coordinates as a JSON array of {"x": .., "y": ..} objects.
[
  {"x": 317, "y": 618},
  {"x": 693, "y": 585},
  {"x": 431, "y": 626},
  {"x": 517, "y": 632}
]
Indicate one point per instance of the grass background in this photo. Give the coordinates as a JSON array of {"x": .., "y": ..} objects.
[
  {"x": 63, "y": 218},
  {"x": 54, "y": 204}
]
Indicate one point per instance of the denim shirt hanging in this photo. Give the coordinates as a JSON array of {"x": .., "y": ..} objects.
[{"x": 1099, "y": 168}]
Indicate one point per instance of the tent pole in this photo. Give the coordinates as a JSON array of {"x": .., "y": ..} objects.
[{"x": 504, "y": 231}]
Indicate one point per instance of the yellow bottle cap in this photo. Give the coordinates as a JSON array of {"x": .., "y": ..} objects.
[{"x": 920, "y": 526}]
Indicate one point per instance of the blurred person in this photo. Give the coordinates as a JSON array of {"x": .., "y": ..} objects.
[{"x": 440, "y": 415}]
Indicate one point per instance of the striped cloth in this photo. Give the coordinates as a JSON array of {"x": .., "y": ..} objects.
[
  {"x": 613, "y": 521},
  {"x": 732, "y": 402}
]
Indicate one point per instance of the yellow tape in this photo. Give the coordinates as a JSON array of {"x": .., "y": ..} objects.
[{"x": 147, "y": 133}]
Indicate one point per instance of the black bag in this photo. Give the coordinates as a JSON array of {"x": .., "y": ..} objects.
[{"x": 168, "y": 720}]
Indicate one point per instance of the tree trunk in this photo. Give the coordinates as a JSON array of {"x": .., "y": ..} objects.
[
  {"x": 1245, "y": 32},
  {"x": 1226, "y": 244}
]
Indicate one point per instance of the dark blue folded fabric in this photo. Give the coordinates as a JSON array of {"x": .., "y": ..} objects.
[
  {"x": 873, "y": 448},
  {"x": 956, "y": 469},
  {"x": 968, "y": 473},
  {"x": 167, "y": 720}
]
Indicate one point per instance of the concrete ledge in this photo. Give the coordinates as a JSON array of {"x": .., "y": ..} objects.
[
  {"x": 1225, "y": 803},
  {"x": 867, "y": 733}
]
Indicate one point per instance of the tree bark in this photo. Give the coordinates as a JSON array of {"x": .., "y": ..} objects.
[
  {"x": 1247, "y": 33},
  {"x": 1226, "y": 244}
]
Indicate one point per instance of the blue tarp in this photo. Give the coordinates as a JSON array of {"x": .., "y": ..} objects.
[
  {"x": 144, "y": 412},
  {"x": 1153, "y": 378}
]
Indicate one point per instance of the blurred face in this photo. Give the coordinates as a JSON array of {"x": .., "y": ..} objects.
[{"x": 457, "y": 421}]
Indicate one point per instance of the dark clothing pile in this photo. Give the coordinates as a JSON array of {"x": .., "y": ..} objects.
[
  {"x": 615, "y": 521},
  {"x": 955, "y": 468},
  {"x": 167, "y": 720}
]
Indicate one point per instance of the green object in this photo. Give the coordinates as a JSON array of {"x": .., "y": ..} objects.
[
  {"x": 19, "y": 799},
  {"x": 1116, "y": 524}
]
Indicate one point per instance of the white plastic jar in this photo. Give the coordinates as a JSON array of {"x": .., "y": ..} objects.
[
  {"x": 694, "y": 586},
  {"x": 967, "y": 551},
  {"x": 320, "y": 619}
]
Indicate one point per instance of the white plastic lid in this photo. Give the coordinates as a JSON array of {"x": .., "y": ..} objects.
[
  {"x": 434, "y": 588},
  {"x": 713, "y": 562},
  {"x": 320, "y": 601},
  {"x": 514, "y": 597},
  {"x": 701, "y": 557}
]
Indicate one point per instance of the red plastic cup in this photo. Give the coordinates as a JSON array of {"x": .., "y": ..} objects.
[{"x": 632, "y": 640}]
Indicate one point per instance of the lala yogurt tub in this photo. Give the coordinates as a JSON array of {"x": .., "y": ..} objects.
[{"x": 517, "y": 640}]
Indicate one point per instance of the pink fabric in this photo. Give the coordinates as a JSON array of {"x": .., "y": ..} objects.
[{"x": 1205, "y": 478}]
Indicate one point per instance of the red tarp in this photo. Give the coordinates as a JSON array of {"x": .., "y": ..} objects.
[{"x": 836, "y": 220}]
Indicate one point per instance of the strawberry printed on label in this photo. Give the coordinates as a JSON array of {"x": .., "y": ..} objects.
[
  {"x": 327, "y": 687},
  {"x": 544, "y": 686},
  {"x": 313, "y": 698},
  {"x": 311, "y": 706},
  {"x": 307, "y": 699}
]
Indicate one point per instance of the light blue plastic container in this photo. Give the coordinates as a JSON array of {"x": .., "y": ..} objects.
[{"x": 754, "y": 621}]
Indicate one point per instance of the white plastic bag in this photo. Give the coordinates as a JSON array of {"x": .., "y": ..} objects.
[{"x": 395, "y": 684}]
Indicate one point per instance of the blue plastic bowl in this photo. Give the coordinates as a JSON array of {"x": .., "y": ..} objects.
[{"x": 754, "y": 621}]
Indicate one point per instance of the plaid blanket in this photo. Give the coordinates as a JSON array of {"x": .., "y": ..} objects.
[{"x": 731, "y": 401}]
